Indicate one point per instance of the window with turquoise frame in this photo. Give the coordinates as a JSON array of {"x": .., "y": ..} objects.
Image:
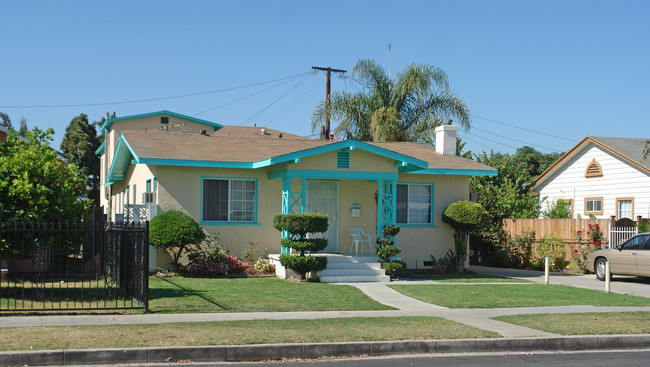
[
  {"x": 414, "y": 204},
  {"x": 229, "y": 200}
]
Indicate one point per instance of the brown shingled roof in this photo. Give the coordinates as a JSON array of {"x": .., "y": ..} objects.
[
  {"x": 252, "y": 131},
  {"x": 233, "y": 148}
]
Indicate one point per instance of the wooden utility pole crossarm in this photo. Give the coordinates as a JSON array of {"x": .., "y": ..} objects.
[{"x": 327, "y": 96}]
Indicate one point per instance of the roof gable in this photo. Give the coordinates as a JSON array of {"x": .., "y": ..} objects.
[
  {"x": 623, "y": 148},
  {"x": 108, "y": 123}
]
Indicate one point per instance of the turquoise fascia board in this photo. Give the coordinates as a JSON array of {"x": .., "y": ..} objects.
[
  {"x": 121, "y": 161},
  {"x": 339, "y": 175},
  {"x": 101, "y": 148},
  {"x": 457, "y": 172},
  {"x": 350, "y": 144},
  {"x": 108, "y": 123},
  {"x": 189, "y": 163}
]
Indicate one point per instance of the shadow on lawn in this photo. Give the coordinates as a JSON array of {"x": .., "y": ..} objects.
[{"x": 178, "y": 293}]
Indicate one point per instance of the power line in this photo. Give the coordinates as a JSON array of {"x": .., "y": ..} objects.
[
  {"x": 279, "y": 98},
  {"x": 155, "y": 99},
  {"x": 525, "y": 129},
  {"x": 292, "y": 105},
  {"x": 242, "y": 98},
  {"x": 494, "y": 141},
  {"x": 519, "y": 141}
]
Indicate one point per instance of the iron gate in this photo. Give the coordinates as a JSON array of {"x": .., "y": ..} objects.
[{"x": 74, "y": 266}]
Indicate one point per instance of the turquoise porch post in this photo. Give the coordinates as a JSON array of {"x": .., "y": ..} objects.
[
  {"x": 386, "y": 204},
  {"x": 292, "y": 202}
]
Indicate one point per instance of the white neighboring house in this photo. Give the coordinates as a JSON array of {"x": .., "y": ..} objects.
[{"x": 602, "y": 176}]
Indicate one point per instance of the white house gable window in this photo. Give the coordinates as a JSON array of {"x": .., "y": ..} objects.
[
  {"x": 593, "y": 169},
  {"x": 593, "y": 205},
  {"x": 229, "y": 200},
  {"x": 414, "y": 204}
]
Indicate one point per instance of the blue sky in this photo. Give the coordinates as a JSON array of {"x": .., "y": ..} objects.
[{"x": 566, "y": 69}]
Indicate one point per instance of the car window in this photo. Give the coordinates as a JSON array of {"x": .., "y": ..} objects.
[{"x": 635, "y": 243}]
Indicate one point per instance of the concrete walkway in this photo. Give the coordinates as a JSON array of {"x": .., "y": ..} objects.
[{"x": 404, "y": 306}]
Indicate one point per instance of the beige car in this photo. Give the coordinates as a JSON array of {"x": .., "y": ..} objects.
[{"x": 630, "y": 258}]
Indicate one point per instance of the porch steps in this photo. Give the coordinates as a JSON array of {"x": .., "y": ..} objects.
[{"x": 352, "y": 269}]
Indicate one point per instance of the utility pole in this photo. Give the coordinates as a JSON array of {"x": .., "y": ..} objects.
[{"x": 327, "y": 97}]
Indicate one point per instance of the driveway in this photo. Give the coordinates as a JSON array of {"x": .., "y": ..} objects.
[{"x": 620, "y": 284}]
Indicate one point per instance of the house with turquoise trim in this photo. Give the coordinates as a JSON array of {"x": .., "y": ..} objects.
[{"x": 234, "y": 179}]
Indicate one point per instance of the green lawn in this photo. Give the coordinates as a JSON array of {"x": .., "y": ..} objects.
[
  {"x": 180, "y": 294},
  {"x": 514, "y": 295},
  {"x": 585, "y": 323},
  {"x": 238, "y": 332},
  {"x": 460, "y": 278}
]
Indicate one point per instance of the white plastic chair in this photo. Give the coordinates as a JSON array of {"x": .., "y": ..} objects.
[{"x": 359, "y": 237}]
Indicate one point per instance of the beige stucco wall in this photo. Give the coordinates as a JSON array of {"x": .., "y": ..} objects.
[
  {"x": 419, "y": 243},
  {"x": 180, "y": 188},
  {"x": 360, "y": 160}
]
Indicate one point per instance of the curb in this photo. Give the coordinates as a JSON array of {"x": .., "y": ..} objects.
[{"x": 257, "y": 352}]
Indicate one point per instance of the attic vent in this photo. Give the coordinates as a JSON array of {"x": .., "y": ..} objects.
[
  {"x": 343, "y": 160},
  {"x": 164, "y": 119},
  {"x": 593, "y": 169}
]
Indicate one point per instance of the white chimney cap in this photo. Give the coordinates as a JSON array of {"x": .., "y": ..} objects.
[
  {"x": 446, "y": 139},
  {"x": 263, "y": 131}
]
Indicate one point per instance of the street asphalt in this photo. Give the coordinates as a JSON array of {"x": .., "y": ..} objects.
[{"x": 515, "y": 338}]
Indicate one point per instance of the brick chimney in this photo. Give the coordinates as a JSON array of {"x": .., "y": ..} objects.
[{"x": 446, "y": 139}]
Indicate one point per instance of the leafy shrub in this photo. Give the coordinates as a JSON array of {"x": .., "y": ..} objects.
[
  {"x": 264, "y": 266},
  {"x": 595, "y": 235},
  {"x": 394, "y": 268},
  {"x": 303, "y": 264},
  {"x": 386, "y": 249},
  {"x": 174, "y": 229},
  {"x": 308, "y": 244},
  {"x": 446, "y": 264},
  {"x": 553, "y": 247},
  {"x": 464, "y": 217},
  {"x": 207, "y": 268},
  {"x": 520, "y": 248},
  {"x": 299, "y": 225}
]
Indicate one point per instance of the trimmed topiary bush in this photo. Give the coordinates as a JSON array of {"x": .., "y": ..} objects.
[
  {"x": 173, "y": 230},
  {"x": 464, "y": 217},
  {"x": 298, "y": 226},
  {"x": 386, "y": 249}
]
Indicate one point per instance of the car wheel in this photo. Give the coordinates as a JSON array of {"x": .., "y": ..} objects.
[{"x": 599, "y": 268}]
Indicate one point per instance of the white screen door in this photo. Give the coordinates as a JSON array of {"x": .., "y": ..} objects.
[{"x": 323, "y": 197}]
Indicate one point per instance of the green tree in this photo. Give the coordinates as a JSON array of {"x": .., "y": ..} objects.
[
  {"x": 464, "y": 217},
  {"x": 34, "y": 184},
  {"x": 79, "y": 145},
  {"x": 406, "y": 108},
  {"x": 5, "y": 121},
  {"x": 557, "y": 210},
  {"x": 507, "y": 195},
  {"x": 173, "y": 230}
]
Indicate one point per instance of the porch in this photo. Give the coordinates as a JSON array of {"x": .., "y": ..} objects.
[{"x": 341, "y": 269}]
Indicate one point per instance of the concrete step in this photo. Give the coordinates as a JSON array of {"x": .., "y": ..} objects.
[
  {"x": 350, "y": 272},
  {"x": 355, "y": 279},
  {"x": 374, "y": 266}
]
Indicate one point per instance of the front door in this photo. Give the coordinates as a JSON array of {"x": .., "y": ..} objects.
[{"x": 323, "y": 197}]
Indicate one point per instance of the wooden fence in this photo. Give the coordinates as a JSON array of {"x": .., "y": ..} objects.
[{"x": 564, "y": 228}]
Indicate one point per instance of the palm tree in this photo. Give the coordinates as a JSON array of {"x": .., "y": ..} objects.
[{"x": 406, "y": 108}]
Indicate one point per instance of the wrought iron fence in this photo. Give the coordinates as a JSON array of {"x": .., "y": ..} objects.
[{"x": 74, "y": 266}]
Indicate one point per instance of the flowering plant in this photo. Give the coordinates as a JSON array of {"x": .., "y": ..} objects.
[{"x": 595, "y": 234}]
